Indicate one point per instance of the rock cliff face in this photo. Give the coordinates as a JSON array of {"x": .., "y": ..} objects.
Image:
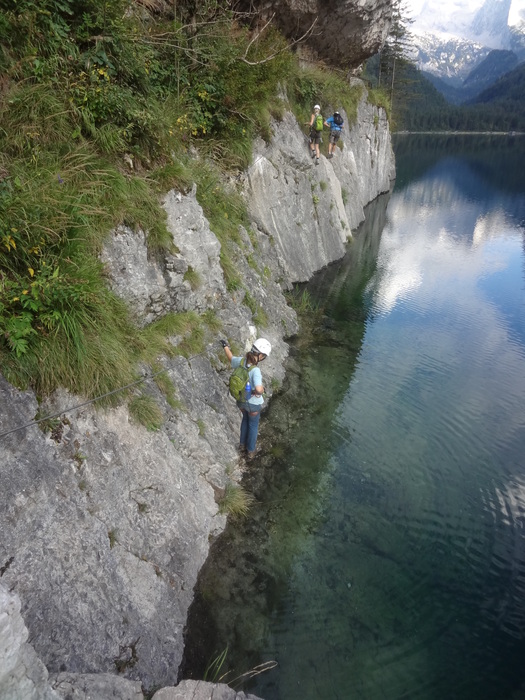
[
  {"x": 310, "y": 211},
  {"x": 104, "y": 524},
  {"x": 343, "y": 32}
]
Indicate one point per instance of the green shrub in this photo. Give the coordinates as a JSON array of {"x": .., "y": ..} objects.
[
  {"x": 212, "y": 672},
  {"x": 260, "y": 317},
  {"x": 158, "y": 338},
  {"x": 193, "y": 278},
  {"x": 301, "y": 302},
  {"x": 250, "y": 301},
  {"x": 236, "y": 501},
  {"x": 145, "y": 410},
  {"x": 193, "y": 343},
  {"x": 211, "y": 319},
  {"x": 380, "y": 98}
]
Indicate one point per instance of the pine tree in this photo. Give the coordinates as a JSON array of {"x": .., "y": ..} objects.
[{"x": 393, "y": 57}]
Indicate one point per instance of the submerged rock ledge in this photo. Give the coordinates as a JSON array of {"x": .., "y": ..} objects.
[{"x": 106, "y": 525}]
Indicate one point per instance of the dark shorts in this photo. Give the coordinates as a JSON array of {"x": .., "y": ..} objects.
[
  {"x": 252, "y": 408},
  {"x": 334, "y": 136},
  {"x": 315, "y": 136}
]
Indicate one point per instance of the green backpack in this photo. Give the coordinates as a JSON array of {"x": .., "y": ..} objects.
[
  {"x": 238, "y": 380},
  {"x": 318, "y": 122}
]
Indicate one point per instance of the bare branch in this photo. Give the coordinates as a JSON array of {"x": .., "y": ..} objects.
[
  {"x": 288, "y": 46},
  {"x": 258, "y": 35}
]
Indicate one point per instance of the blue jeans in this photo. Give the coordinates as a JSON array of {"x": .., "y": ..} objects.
[{"x": 251, "y": 414}]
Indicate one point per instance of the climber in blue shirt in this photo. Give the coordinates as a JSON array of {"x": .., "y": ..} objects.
[
  {"x": 250, "y": 407},
  {"x": 335, "y": 124}
]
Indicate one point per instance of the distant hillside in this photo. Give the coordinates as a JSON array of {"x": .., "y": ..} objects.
[
  {"x": 452, "y": 93},
  {"x": 491, "y": 68},
  {"x": 509, "y": 88},
  {"x": 496, "y": 64},
  {"x": 419, "y": 106}
]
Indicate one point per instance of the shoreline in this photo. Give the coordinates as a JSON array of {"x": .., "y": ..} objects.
[{"x": 459, "y": 133}]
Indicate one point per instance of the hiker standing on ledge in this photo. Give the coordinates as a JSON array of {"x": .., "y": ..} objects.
[
  {"x": 316, "y": 131},
  {"x": 335, "y": 124},
  {"x": 251, "y": 404}
]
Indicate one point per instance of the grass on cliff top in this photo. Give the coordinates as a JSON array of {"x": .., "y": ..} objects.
[
  {"x": 380, "y": 98},
  {"x": 328, "y": 88},
  {"x": 104, "y": 107}
]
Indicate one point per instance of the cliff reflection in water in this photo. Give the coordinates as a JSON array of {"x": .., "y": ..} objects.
[{"x": 247, "y": 574}]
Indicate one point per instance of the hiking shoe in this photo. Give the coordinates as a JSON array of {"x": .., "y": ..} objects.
[
  {"x": 250, "y": 455},
  {"x": 241, "y": 449},
  {"x": 313, "y": 154},
  {"x": 330, "y": 155},
  {"x": 317, "y": 161}
]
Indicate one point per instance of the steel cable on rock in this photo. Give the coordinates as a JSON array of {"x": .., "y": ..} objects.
[{"x": 86, "y": 403}]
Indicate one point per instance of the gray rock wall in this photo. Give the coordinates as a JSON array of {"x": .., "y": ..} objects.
[
  {"x": 104, "y": 524},
  {"x": 343, "y": 32},
  {"x": 310, "y": 210},
  {"x": 22, "y": 675}
]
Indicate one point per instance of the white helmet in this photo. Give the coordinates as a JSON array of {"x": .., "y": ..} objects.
[
  {"x": 316, "y": 107},
  {"x": 262, "y": 346}
]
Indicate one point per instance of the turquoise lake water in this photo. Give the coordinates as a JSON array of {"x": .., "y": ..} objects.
[{"x": 385, "y": 554}]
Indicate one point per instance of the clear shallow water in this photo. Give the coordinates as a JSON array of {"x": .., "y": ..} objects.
[{"x": 385, "y": 557}]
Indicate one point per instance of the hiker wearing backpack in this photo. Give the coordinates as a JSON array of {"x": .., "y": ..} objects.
[
  {"x": 249, "y": 399},
  {"x": 316, "y": 131},
  {"x": 335, "y": 124}
]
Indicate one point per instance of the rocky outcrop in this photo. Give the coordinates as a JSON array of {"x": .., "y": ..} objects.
[
  {"x": 152, "y": 290},
  {"x": 199, "y": 690},
  {"x": 341, "y": 32},
  {"x": 22, "y": 675},
  {"x": 310, "y": 211},
  {"x": 104, "y": 524}
]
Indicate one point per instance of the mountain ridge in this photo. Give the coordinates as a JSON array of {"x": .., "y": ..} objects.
[{"x": 452, "y": 51}]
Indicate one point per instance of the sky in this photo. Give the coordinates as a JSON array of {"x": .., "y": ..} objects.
[
  {"x": 453, "y": 18},
  {"x": 443, "y": 8}
]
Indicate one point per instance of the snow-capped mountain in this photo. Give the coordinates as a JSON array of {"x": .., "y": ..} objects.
[
  {"x": 451, "y": 38},
  {"x": 490, "y": 24},
  {"x": 450, "y": 59}
]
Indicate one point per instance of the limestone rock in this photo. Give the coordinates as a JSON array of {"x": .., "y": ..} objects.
[
  {"x": 200, "y": 690},
  {"x": 95, "y": 686},
  {"x": 343, "y": 32},
  {"x": 189, "y": 279},
  {"x": 22, "y": 675},
  {"x": 308, "y": 210},
  {"x": 104, "y": 524}
]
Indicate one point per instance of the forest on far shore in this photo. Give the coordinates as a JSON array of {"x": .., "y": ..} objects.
[{"x": 419, "y": 106}]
